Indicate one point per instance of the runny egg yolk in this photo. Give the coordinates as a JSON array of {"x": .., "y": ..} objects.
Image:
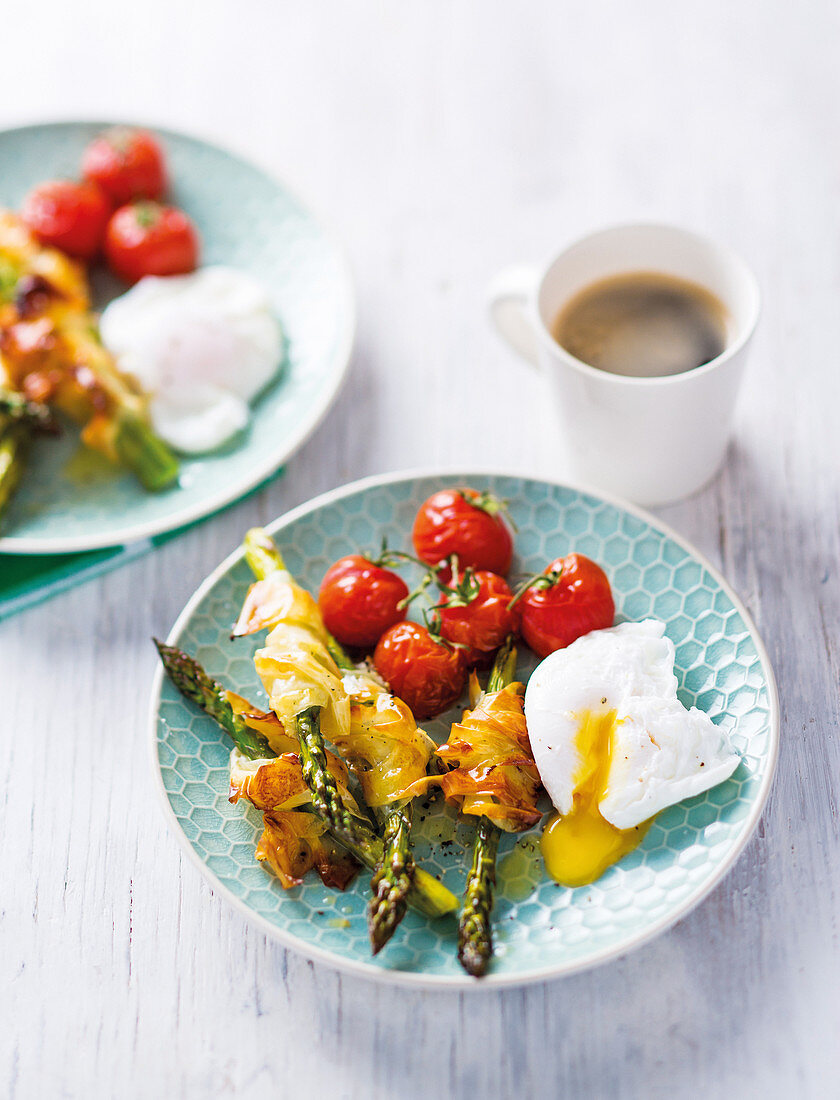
[{"x": 579, "y": 847}]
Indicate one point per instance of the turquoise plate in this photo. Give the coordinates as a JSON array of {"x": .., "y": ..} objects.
[
  {"x": 541, "y": 929},
  {"x": 248, "y": 220}
]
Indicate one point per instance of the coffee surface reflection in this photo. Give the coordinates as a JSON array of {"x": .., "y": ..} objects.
[{"x": 643, "y": 324}]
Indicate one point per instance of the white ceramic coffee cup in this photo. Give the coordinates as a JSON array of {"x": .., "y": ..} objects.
[{"x": 652, "y": 440}]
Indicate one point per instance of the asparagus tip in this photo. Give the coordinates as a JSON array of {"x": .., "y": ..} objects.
[
  {"x": 474, "y": 958},
  {"x": 392, "y": 882},
  {"x": 386, "y": 910},
  {"x": 146, "y": 454},
  {"x": 475, "y": 932},
  {"x": 261, "y": 552}
]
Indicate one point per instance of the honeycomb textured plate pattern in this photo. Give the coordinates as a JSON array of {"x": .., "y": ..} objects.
[{"x": 541, "y": 928}]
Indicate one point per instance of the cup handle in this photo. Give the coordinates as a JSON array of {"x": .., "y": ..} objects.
[{"x": 507, "y": 299}]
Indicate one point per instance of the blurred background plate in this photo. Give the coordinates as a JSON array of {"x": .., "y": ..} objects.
[
  {"x": 247, "y": 220},
  {"x": 542, "y": 930}
]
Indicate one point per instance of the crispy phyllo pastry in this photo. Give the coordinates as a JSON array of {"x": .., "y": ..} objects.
[
  {"x": 295, "y": 665},
  {"x": 373, "y": 730},
  {"x": 386, "y": 749},
  {"x": 293, "y": 842},
  {"x": 491, "y": 767}
]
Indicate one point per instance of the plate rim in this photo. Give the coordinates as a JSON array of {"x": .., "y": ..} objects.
[
  {"x": 458, "y": 983},
  {"x": 338, "y": 370}
]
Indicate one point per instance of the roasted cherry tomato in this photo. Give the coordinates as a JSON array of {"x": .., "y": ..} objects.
[
  {"x": 475, "y": 613},
  {"x": 466, "y": 523},
  {"x": 70, "y": 216},
  {"x": 146, "y": 238},
  {"x": 571, "y": 598},
  {"x": 424, "y": 673},
  {"x": 127, "y": 164},
  {"x": 359, "y": 600}
]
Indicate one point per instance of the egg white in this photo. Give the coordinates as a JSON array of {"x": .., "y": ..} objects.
[
  {"x": 201, "y": 345},
  {"x": 662, "y": 752}
]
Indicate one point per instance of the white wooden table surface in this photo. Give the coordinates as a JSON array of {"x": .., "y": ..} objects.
[{"x": 444, "y": 140}]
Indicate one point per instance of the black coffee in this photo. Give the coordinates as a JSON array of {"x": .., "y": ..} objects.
[{"x": 643, "y": 324}]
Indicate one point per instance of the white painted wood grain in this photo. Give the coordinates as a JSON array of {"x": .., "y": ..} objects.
[{"x": 444, "y": 140}]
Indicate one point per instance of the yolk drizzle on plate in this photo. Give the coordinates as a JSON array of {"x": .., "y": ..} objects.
[{"x": 579, "y": 847}]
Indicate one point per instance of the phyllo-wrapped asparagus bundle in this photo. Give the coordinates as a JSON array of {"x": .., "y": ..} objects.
[
  {"x": 388, "y": 754},
  {"x": 491, "y": 776},
  {"x": 316, "y": 691},
  {"x": 50, "y": 352},
  {"x": 301, "y": 679},
  {"x": 292, "y": 841},
  {"x": 256, "y": 736}
]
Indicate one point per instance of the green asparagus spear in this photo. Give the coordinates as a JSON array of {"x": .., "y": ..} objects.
[
  {"x": 475, "y": 934},
  {"x": 261, "y": 553},
  {"x": 143, "y": 452},
  {"x": 504, "y": 668},
  {"x": 134, "y": 441},
  {"x": 326, "y": 797},
  {"x": 192, "y": 681},
  {"x": 392, "y": 881},
  {"x": 14, "y": 444},
  {"x": 121, "y": 428},
  {"x": 427, "y": 895}
]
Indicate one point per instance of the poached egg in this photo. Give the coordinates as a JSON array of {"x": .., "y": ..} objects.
[
  {"x": 614, "y": 745},
  {"x": 202, "y": 346}
]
